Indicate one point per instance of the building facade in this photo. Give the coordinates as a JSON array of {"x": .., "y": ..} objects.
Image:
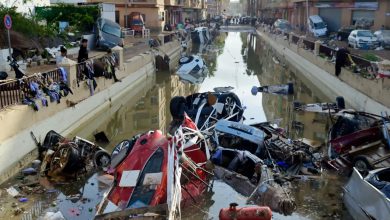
[
  {"x": 155, "y": 13},
  {"x": 335, "y": 13}
]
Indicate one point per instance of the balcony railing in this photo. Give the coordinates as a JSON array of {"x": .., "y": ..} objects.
[{"x": 148, "y": 2}]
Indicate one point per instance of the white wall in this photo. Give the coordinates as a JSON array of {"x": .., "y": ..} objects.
[{"x": 108, "y": 11}]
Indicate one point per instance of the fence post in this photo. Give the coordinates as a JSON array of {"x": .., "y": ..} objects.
[
  {"x": 290, "y": 37},
  {"x": 119, "y": 51},
  {"x": 161, "y": 38},
  {"x": 317, "y": 45},
  {"x": 70, "y": 68}
]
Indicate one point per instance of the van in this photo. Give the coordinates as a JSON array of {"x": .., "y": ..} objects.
[
  {"x": 137, "y": 22},
  {"x": 317, "y": 26},
  {"x": 109, "y": 34}
]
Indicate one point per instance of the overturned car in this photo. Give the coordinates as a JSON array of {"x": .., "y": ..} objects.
[{"x": 62, "y": 156}]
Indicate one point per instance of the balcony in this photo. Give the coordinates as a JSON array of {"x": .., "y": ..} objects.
[
  {"x": 174, "y": 2},
  {"x": 146, "y": 2},
  {"x": 197, "y": 4}
]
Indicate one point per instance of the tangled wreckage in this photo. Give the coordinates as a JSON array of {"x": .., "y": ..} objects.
[
  {"x": 68, "y": 157},
  {"x": 159, "y": 174}
]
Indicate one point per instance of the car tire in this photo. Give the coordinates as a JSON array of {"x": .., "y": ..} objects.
[
  {"x": 362, "y": 165},
  {"x": 177, "y": 107},
  {"x": 297, "y": 105},
  {"x": 101, "y": 159},
  {"x": 340, "y": 102}
]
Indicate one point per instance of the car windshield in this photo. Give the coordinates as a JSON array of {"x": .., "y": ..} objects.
[
  {"x": 364, "y": 34},
  {"x": 319, "y": 25},
  {"x": 112, "y": 30},
  {"x": 284, "y": 26}
]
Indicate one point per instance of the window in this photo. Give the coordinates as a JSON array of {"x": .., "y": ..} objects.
[
  {"x": 117, "y": 17},
  {"x": 111, "y": 30}
]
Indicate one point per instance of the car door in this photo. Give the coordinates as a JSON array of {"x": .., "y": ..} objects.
[{"x": 350, "y": 38}]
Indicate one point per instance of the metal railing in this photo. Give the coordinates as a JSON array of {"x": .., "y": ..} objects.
[
  {"x": 294, "y": 39},
  {"x": 327, "y": 51},
  {"x": 308, "y": 44},
  {"x": 81, "y": 67},
  {"x": 12, "y": 92}
]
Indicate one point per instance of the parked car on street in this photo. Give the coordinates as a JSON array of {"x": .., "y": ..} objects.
[
  {"x": 383, "y": 38},
  {"x": 344, "y": 32},
  {"x": 362, "y": 39},
  {"x": 282, "y": 26},
  {"x": 317, "y": 26}
]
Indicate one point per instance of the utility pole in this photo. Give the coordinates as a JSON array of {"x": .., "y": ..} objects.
[
  {"x": 307, "y": 16},
  {"x": 127, "y": 1}
]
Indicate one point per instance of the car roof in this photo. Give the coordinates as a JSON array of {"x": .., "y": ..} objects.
[
  {"x": 109, "y": 22},
  {"x": 315, "y": 18}
]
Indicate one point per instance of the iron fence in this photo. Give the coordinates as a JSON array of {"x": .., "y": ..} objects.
[
  {"x": 93, "y": 64},
  {"x": 12, "y": 92},
  {"x": 308, "y": 44},
  {"x": 294, "y": 39},
  {"x": 327, "y": 51}
]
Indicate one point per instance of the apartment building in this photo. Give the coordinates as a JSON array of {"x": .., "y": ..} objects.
[
  {"x": 155, "y": 13},
  {"x": 335, "y": 13}
]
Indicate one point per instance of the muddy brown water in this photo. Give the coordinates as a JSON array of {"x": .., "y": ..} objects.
[{"x": 240, "y": 60}]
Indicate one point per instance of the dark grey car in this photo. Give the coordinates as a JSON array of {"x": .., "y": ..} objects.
[{"x": 109, "y": 34}]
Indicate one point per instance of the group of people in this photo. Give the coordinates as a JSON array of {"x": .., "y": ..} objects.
[{"x": 109, "y": 62}]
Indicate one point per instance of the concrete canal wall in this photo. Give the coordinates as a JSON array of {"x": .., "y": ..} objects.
[
  {"x": 17, "y": 147},
  {"x": 359, "y": 93}
]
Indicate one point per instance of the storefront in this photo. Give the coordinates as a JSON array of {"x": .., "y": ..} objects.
[
  {"x": 332, "y": 17},
  {"x": 338, "y": 14}
]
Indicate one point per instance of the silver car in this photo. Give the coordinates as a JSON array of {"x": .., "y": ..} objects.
[
  {"x": 362, "y": 39},
  {"x": 383, "y": 38}
]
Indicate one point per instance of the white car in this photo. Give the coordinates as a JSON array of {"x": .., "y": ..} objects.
[
  {"x": 362, "y": 39},
  {"x": 368, "y": 198}
]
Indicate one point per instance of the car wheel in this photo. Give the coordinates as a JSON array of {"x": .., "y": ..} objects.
[
  {"x": 340, "y": 102},
  {"x": 362, "y": 165}
]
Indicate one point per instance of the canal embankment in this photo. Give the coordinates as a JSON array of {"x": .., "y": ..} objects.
[
  {"x": 17, "y": 122},
  {"x": 360, "y": 93}
]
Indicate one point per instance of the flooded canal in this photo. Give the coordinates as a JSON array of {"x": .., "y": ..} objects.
[{"x": 240, "y": 60}]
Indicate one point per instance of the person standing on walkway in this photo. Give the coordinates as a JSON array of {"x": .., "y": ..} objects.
[
  {"x": 63, "y": 53},
  {"x": 83, "y": 52},
  {"x": 110, "y": 63},
  {"x": 341, "y": 60}
]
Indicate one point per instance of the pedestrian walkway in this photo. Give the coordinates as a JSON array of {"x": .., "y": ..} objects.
[{"x": 325, "y": 80}]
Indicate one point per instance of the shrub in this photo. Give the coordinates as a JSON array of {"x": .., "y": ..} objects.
[{"x": 371, "y": 57}]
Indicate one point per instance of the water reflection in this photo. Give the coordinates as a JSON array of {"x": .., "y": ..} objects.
[{"x": 239, "y": 60}]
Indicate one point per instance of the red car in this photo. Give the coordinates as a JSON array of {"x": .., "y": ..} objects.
[{"x": 147, "y": 168}]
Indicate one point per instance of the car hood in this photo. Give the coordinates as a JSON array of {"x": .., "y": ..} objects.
[
  {"x": 367, "y": 38},
  {"x": 320, "y": 32}
]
